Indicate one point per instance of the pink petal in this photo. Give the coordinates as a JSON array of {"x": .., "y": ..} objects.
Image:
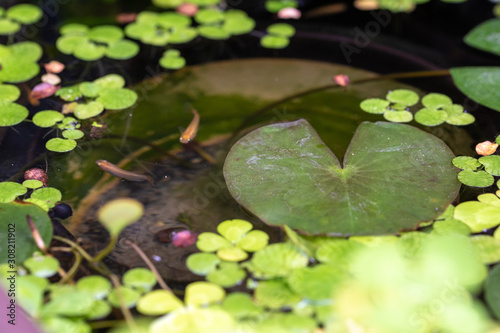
[
  {"x": 289, "y": 13},
  {"x": 341, "y": 80},
  {"x": 184, "y": 238},
  {"x": 43, "y": 90},
  {"x": 187, "y": 9},
  {"x": 54, "y": 67}
]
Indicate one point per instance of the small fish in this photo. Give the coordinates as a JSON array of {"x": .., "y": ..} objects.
[
  {"x": 117, "y": 172},
  {"x": 192, "y": 129}
]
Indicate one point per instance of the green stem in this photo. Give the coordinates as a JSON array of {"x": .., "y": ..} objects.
[
  {"x": 71, "y": 273},
  {"x": 125, "y": 310},
  {"x": 107, "y": 250}
]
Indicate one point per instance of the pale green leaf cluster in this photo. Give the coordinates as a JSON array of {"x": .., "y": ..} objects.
[
  {"x": 12, "y": 19},
  {"x": 45, "y": 197},
  {"x": 278, "y": 36},
  {"x": 477, "y": 172},
  {"x": 274, "y": 6},
  {"x": 90, "y": 44}
]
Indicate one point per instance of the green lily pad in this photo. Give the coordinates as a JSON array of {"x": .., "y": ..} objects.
[
  {"x": 489, "y": 198},
  {"x": 475, "y": 178},
  {"x": 328, "y": 199},
  {"x": 275, "y": 294},
  {"x": 158, "y": 302},
  {"x": 172, "y": 62},
  {"x": 89, "y": 51},
  {"x": 477, "y": 215},
  {"x": 58, "y": 324},
  {"x": 227, "y": 275},
  {"x": 374, "y": 105},
  {"x": 105, "y": 34},
  {"x": 479, "y": 84},
  {"x": 95, "y": 285},
  {"x": 139, "y": 278},
  {"x": 454, "y": 109},
  {"x": 277, "y": 260},
  {"x": 31, "y": 183},
  {"x": 430, "y": 117},
  {"x": 337, "y": 252},
  {"x": 67, "y": 44},
  {"x": 137, "y": 29},
  {"x": 47, "y": 118},
  {"x": 100, "y": 309},
  {"x": 487, "y": 247},
  {"x": 71, "y": 304},
  {"x": 234, "y": 230},
  {"x": 182, "y": 35},
  {"x": 194, "y": 320},
  {"x": 287, "y": 322},
  {"x": 436, "y": 101},
  {"x": 232, "y": 253},
  {"x": 122, "y": 49},
  {"x": 209, "y": 16},
  {"x": 48, "y": 194},
  {"x": 10, "y": 212},
  {"x": 119, "y": 213},
  {"x": 316, "y": 283},
  {"x": 89, "y": 89},
  {"x": 461, "y": 119},
  {"x": 30, "y": 290},
  {"x": 42, "y": 266},
  {"x": 130, "y": 297},
  {"x": 254, "y": 241},
  {"x": 466, "y": 163},
  {"x": 492, "y": 290},
  {"x": 485, "y": 36},
  {"x": 237, "y": 22},
  {"x": 210, "y": 242},
  {"x": 12, "y": 114},
  {"x": 202, "y": 263},
  {"x": 89, "y": 110},
  {"x": 72, "y": 134},
  {"x": 213, "y": 32},
  {"x": 117, "y": 98},
  {"x": 240, "y": 305},
  {"x": 203, "y": 293},
  {"x": 69, "y": 94},
  {"x": 173, "y": 20},
  {"x": 274, "y": 42},
  {"x": 24, "y": 13},
  {"x": 403, "y": 96},
  {"x": 9, "y": 191},
  {"x": 8, "y": 27},
  {"x": 274, "y": 6},
  {"x": 281, "y": 29},
  {"x": 491, "y": 164},
  {"x": 398, "y": 116},
  {"x": 74, "y": 29},
  {"x": 110, "y": 81},
  {"x": 60, "y": 145}
]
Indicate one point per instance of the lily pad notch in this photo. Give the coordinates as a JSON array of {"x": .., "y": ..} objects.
[{"x": 393, "y": 177}]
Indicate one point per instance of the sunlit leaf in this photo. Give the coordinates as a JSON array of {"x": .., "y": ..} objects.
[
  {"x": 24, "y": 13},
  {"x": 95, "y": 285},
  {"x": 475, "y": 178},
  {"x": 8, "y": 27},
  {"x": 139, "y": 278},
  {"x": 203, "y": 293},
  {"x": 89, "y": 110},
  {"x": 281, "y": 30},
  {"x": 403, "y": 96},
  {"x": 12, "y": 113},
  {"x": 466, "y": 163},
  {"x": 274, "y": 42},
  {"x": 430, "y": 117},
  {"x": 436, "y": 101},
  {"x": 72, "y": 134},
  {"x": 122, "y": 49},
  {"x": 487, "y": 247},
  {"x": 202, "y": 263},
  {"x": 47, "y": 118},
  {"x": 119, "y": 213},
  {"x": 194, "y": 320},
  {"x": 74, "y": 28},
  {"x": 48, "y": 194},
  {"x": 477, "y": 215},
  {"x": 158, "y": 302},
  {"x": 130, "y": 297},
  {"x": 374, "y": 105},
  {"x": 60, "y": 145},
  {"x": 110, "y": 81},
  {"x": 31, "y": 183},
  {"x": 398, "y": 116},
  {"x": 42, "y": 266},
  {"x": 275, "y": 294},
  {"x": 277, "y": 260},
  {"x": 105, "y": 34},
  {"x": 491, "y": 164}
]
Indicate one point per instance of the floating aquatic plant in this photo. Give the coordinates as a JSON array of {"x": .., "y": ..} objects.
[
  {"x": 477, "y": 172},
  {"x": 278, "y": 36},
  {"x": 275, "y": 6},
  {"x": 90, "y": 44},
  {"x": 14, "y": 17}
]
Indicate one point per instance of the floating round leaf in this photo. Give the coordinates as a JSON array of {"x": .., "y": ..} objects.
[
  {"x": 228, "y": 275},
  {"x": 172, "y": 62},
  {"x": 477, "y": 215},
  {"x": 489, "y": 198},
  {"x": 69, "y": 93},
  {"x": 232, "y": 254},
  {"x": 89, "y": 51},
  {"x": 60, "y": 145},
  {"x": 89, "y": 110},
  {"x": 436, "y": 101},
  {"x": 137, "y": 30},
  {"x": 95, "y": 285},
  {"x": 8, "y": 27},
  {"x": 24, "y": 13},
  {"x": 173, "y": 20},
  {"x": 182, "y": 35},
  {"x": 316, "y": 283},
  {"x": 213, "y": 32},
  {"x": 105, "y": 34},
  {"x": 58, "y": 324},
  {"x": 9, "y": 93},
  {"x": 234, "y": 230},
  {"x": 48, "y": 194},
  {"x": 268, "y": 159},
  {"x": 491, "y": 164},
  {"x": 209, "y": 242},
  {"x": 17, "y": 212},
  {"x": 479, "y": 84},
  {"x": 12, "y": 113},
  {"x": 117, "y": 98},
  {"x": 25, "y": 52},
  {"x": 274, "y": 42},
  {"x": 29, "y": 292},
  {"x": 454, "y": 109},
  {"x": 130, "y": 297},
  {"x": 31, "y": 183},
  {"x": 74, "y": 28},
  {"x": 240, "y": 305},
  {"x": 209, "y": 16},
  {"x": 278, "y": 260},
  {"x": 167, "y": 3},
  {"x": 274, "y": 6},
  {"x": 403, "y": 96},
  {"x": 67, "y": 44},
  {"x": 398, "y": 116},
  {"x": 71, "y": 304},
  {"x": 42, "y": 266},
  {"x": 42, "y": 204},
  {"x": 139, "y": 278},
  {"x": 430, "y": 117},
  {"x": 203, "y": 293},
  {"x": 110, "y": 81},
  {"x": 238, "y": 24},
  {"x": 100, "y": 309},
  {"x": 202, "y": 263},
  {"x": 156, "y": 38},
  {"x": 119, "y": 213},
  {"x": 122, "y": 49},
  {"x": 9, "y": 191},
  {"x": 158, "y": 302},
  {"x": 47, "y": 118},
  {"x": 194, "y": 320},
  {"x": 466, "y": 163},
  {"x": 487, "y": 247},
  {"x": 89, "y": 89},
  {"x": 254, "y": 241},
  {"x": 147, "y": 17},
  {"x": 275, "y": 294},
  {"x": 461, "y": 119},
  {"x": 475, "y": 178},
  {"x": 374, "y": 105},
  {"x": 72, "y": 134},
  {"x": 281, "y": 29}
]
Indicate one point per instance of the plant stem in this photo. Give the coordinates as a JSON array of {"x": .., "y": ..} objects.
[
  {"x": 125, "y": 311},
  {"x": 104, "y": 252},
  {"x": 73, "y": 269}
]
